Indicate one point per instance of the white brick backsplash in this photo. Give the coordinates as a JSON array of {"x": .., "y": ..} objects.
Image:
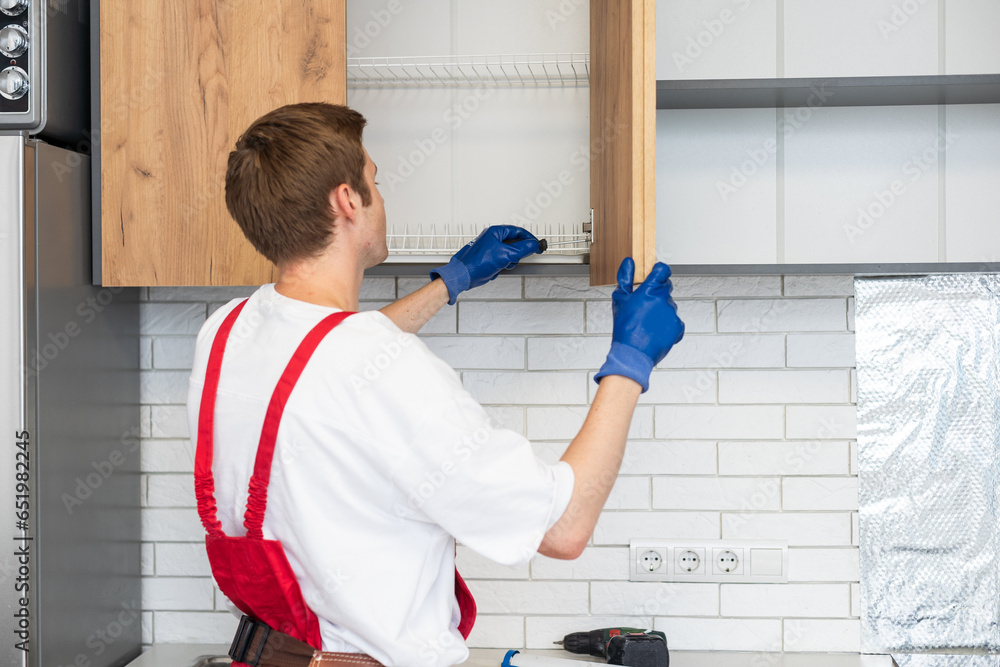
[
  {"x": 822, "y": 635},
  {"x": 698, "y": 316},
  {"x": 173, "y": 352},
  {"x": 378, "y": 289},
  {"x": 753, "y": 315},
  {"x": 513, "y": 317},
  {"x": 855, "y": 599},
  {"x": 563, "y": 423},
  {"x": 763, "y": 358},
  {"x": 822, "y": 422},
  {"x": 629, "y": 493},
  {"x": 783, "y": 386},
  {"x": 595, "y": 563},
  {"x": 834, "y": 350},
  {"x": 819, "y": 493},
  {"x": 496, "y": 632},
  {"x": 147, "y": 559},
  {"x": 474, "y": 566},
  {"x": 564, "y": 287},
  {"x": 144, "y": 426},
  {"x": 502, "y": 287},
  {"x": 531, "y": 388},
  {"x": 819, "y": 285},
  {"x": 145, "y": 353},
  {"x": 679, "y": 457},
  {"x": 728, "y": 422},
  {"x": 654, "y": 598},
  {"x": 727, "y": 351},
  {"x": 721, "y": 634},
  {"x": 716, "y": 493},
  {"x": 186, "y": 627},
  {"x": 181, "y": 559},
  {"x": 507, "y": 417},
  {"x": 855, "y": 529},
  {"x": 168, "y": 421},
  {"x": 620, "y": 527},
  {"x": 167, "y": 456},
  {"x": 681, "y": 387},
  {"x": 716, "y": 286},
  {"x": 171, "y": 525},
  {"x": 163, "y": 387},
  {"x": 566, "y": 352},
  {"x": 170, "y": 491},
  {"x": 530, "y": 597},
  {"x": 541, "y": 631},
  {"x": 202, "y": 294},
  {"x": 171, "y": 318},
  {"x": 177, "y": 593},
  {"x": 797, "y": 528},
  {"x": 814, "y": 457},
  {"x": 823, "y": 564},
  {"x": 854, "y": 458},
  {"x": 444, "y": 322},
  {"x": 806, "y": 600},
  {"x": 498, "y": 352}
]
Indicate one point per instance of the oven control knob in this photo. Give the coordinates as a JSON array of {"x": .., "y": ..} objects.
[
  {"x": 13, "y": 7},
  {"x": 13, "y": 83},
  {"x": 13, "y": 41}
]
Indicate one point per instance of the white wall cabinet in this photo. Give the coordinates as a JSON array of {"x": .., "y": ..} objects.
[{"x": 818, "y": 184}]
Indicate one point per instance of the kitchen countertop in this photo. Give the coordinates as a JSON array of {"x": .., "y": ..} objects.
[{"x": 183, "y": 655}]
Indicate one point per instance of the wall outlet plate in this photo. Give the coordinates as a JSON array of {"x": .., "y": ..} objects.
[{"x": 725, "y": 561}]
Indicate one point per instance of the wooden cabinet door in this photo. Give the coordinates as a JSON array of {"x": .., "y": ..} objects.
[
  {"x": 622, "y": 136},
  {"x": 179, "y": 82}
]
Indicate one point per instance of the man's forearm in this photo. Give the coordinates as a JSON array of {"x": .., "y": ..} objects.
[
  {"x": 412, "y": 311},
  {"x": 595, "y": 456}
]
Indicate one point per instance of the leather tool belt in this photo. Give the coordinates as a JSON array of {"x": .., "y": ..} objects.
[{"x": 258, "y": 645}]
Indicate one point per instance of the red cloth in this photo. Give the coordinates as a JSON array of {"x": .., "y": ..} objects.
[{"x": 252, "y": 572}]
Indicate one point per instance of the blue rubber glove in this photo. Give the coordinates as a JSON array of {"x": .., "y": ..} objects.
[
  {"x": 496, "y": 248},
  {"x": 646, "y": 324}
]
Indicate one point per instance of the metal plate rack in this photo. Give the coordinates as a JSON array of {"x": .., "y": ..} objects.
[
  {"x": 533, "y": 69},
  {"x": 569, "y": 243}
]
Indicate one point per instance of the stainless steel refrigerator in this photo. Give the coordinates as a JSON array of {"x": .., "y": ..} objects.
[{"x": 69, "y": 425}]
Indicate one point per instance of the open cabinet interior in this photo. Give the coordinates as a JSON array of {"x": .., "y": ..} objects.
[{"x": 478, "y": 115}]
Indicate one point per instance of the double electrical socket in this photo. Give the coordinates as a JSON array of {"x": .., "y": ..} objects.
[{"x": 733, "y": 561}]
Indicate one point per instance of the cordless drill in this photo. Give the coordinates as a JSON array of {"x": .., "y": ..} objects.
[{"x": 621, "y": 646}]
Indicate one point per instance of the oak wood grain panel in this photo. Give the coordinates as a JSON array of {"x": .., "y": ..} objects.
[
  {"x": 179, "y": 82},
  {"x": 622, "y": 129}
]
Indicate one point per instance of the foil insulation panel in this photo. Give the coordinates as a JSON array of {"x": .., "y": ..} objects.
[{"x": 928, "y": 364}]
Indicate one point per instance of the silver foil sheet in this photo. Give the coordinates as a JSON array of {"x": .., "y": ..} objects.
[
  {"x": 947, "y": 660},
  {"x": 928, "y": 364}
]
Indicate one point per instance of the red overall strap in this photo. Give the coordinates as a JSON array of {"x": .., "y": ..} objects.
[
  {"x": 257, "y": 499},
  {"x": 204, "y": 483}
]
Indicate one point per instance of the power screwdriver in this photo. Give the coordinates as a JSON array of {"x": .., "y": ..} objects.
[{"x": 596, "y": 642}]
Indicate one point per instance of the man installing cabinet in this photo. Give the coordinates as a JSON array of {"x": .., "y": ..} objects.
[{"x": 339, "y": 460}]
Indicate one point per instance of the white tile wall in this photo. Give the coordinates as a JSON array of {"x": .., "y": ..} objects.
[{"x": 743, "y": 434}]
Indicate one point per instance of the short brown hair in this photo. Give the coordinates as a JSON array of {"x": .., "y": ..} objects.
[{"x": 280, "y": 176}]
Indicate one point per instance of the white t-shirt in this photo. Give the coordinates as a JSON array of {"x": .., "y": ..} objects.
[{"x": 382, "y": 461}]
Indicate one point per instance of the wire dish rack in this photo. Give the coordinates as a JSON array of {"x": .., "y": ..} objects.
[
  {"x": 417, "y": 241},
  {"x": 533, "y": 69}
]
